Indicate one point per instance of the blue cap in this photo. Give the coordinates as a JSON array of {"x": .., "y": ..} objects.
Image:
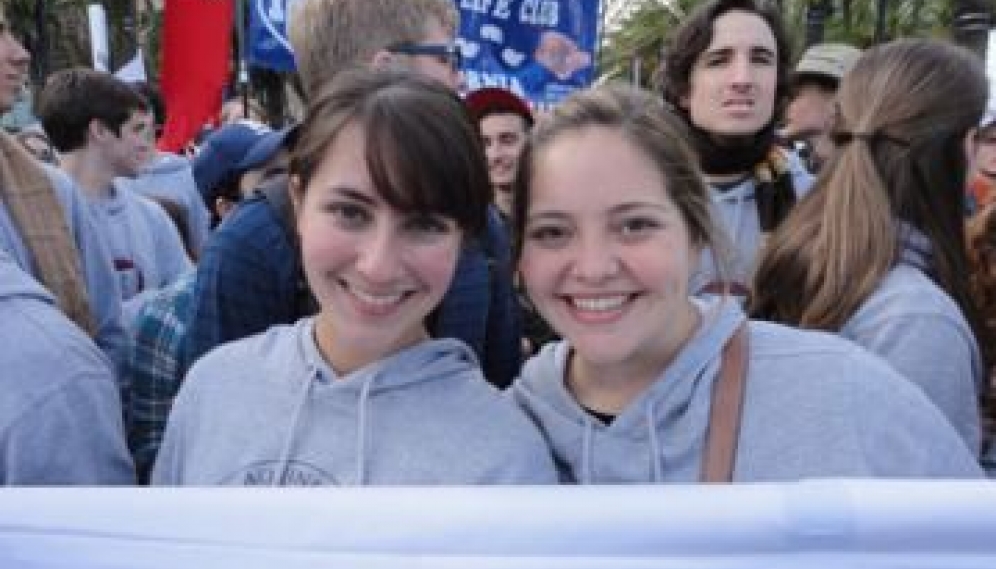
[
  {"x": 266, "y": 147},
  {"x": 222, "y": 152}
]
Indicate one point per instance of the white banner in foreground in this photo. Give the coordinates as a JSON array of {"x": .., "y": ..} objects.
[{"x": 867, "y": 524}]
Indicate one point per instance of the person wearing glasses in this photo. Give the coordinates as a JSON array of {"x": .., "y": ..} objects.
[
  {"x": 249, "y": 277},
  {"x": 415, "y": 35}
]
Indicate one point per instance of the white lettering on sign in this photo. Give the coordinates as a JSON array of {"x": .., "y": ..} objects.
[
  {"x": 540, "y": 13},
  {"x": 503, "y": 9},
  {"x": 479, "y": 6},
  {"x": 276, "y": 11},
  {"x": 477, "y": 80}
]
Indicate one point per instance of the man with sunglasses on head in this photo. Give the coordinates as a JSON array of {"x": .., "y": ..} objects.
[{"x": 249, "y": 277}]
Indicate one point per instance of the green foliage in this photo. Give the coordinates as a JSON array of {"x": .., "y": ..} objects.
[
  {"x": 639, "y": 41},
  {"x": 68, "y": 34},
  {"x": 642, "y": 35}
]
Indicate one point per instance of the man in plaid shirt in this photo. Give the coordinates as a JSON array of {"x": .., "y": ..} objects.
[
  {"x": 239, "y": 156},
  {"x": 154, "y": 369}
]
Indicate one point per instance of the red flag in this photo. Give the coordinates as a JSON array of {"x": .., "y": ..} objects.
[{"x": 196, "y": 55}]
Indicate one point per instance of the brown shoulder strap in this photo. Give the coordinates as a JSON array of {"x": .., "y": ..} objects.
[
  {"x": 724, "y": 415},
  {"x": 33, "y": 206}
]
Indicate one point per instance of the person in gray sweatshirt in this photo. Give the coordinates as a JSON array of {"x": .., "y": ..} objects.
[
  {"x": 168, "y": 176},
  {"x": 60, "y": 415},
  {"x": 727, "y": 76},
  {"x": 651, "y": 386},
  {"x": 878, "y": 253},
  {"x": 388, "y": 180}
]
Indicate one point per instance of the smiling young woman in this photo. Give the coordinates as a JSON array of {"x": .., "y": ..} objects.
[
  {"x": 388, "y": 180},
  {"x": 651, "y": 385}
]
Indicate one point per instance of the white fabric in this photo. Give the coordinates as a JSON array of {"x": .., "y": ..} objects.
[{"x": 819, "y": 523}]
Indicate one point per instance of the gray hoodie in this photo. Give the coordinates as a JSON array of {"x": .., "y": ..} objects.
[
  {"x": 268, "y": 410},
  {"x": 170, "y": 177},
  {"x": 919, "y": 330},
  {"x": 144, "y": 245},
  {"x": 735, "y": 211},
  {"x": 98, "y": 270},
  {"x": 60, "y": 416},
  {"x": 814, "y": 406},
  {"x": 912, "y": 324}
]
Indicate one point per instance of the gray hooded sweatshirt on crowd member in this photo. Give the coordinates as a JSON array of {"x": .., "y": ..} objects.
[
  {"x": 170, "y": 177},
  {"x": 102, "y": 287},
  {"x": 268, "y": 410},
  {"x": 916, "y": 327},
  {"x": 144, "y": 245},
  {"x": 60, "y": 416},
  {"x": 735, "y": 210},
  {"x": 814, "y": 406}
]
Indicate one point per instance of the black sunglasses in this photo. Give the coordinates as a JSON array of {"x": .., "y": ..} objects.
[{"x": 447, "y": 53}]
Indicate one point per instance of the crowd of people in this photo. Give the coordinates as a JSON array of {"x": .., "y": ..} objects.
[{"x": 771, "y": 271}]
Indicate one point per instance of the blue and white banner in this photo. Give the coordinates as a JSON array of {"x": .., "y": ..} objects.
[
  {"x": 540, "y": 49},
  {"x": 267, "y": 44}
]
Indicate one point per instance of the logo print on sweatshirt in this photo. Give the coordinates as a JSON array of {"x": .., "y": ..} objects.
[{"x": 296, "y": 473}]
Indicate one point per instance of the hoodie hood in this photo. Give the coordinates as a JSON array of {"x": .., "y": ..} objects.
[
  {"x": 160, "y": 176},
  {"x": 427, "y": 361},
  {"x": 914, "y": 249},
  {"x": 423, "y": 362},
  {"x": 659, "y": 436},
  {"x": 15, "y": 283},
  {"x": 268, "y": 410},
  {"x": 735, "y": 211},
  {"x": 165, "y": 164}
]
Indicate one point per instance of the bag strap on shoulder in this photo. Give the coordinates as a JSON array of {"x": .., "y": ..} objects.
[{"x": 727, "y": 404}]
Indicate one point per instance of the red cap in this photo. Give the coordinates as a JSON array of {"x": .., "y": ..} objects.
[{"x": 493, "y": 100}]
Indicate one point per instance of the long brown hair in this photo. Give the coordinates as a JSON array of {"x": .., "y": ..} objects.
[
  {"x": 904, "y": 112},
  {"x": 981, "y": 234}
]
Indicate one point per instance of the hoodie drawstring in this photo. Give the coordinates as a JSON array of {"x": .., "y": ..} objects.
[
  {"x": 363, "y": 417},
  {"x": 587, "y": 442},
  {"x": 738, "y": 211},
  {"x": 283, "y": 463},
  {"x": 655, "y": 451}
]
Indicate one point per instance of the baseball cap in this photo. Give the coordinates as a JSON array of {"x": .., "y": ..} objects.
[
  {"x": 492, "y": 100},
  {"x": 831, "y": 60},
  {"x": 222, "y": 152},
  {"x": 266, "y": 147}
]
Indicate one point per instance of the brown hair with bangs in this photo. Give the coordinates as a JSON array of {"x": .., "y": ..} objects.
[{"x": 422, "y": 150}]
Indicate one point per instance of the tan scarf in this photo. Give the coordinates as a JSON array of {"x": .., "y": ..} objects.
[{"x": 40, "y": 219}]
